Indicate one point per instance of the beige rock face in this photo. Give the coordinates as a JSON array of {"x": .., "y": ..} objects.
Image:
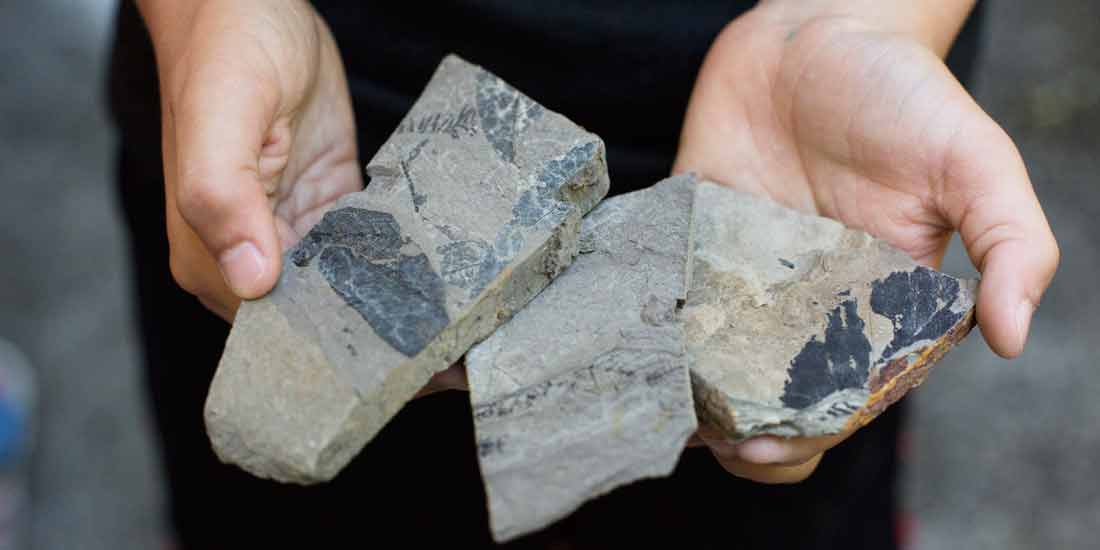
[
  {"x": 587, "y": 388},
  {"x": 474, "y": 205},
  {"x": 801, "y": 327}
]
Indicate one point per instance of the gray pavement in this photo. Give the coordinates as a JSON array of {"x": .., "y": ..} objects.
[{"x": 1002, "y": 452}]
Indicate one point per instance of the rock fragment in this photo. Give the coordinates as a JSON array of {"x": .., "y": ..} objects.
[
  {"x": 799, "y": 326},
  {"x": 588, "y": 387},
  {"x": 474, "y": 205}
]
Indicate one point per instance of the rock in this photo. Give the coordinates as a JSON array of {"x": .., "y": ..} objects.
[
  {"x": 474, "y": 205},
  {"x": 800, "y": 327},
  {"x": 587, "y": 388}
]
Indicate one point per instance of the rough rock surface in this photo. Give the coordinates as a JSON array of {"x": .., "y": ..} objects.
[
  {"x": 799, "y": 326},
  {"x": 588, "y": 387},
  {"x": 474, "y": 205}
]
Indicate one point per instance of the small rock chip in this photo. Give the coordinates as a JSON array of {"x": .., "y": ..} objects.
[
  {"x": 588, "y": 387},
  {"x": 474, "y": 205},
  {"x": 801, "y": 327}
]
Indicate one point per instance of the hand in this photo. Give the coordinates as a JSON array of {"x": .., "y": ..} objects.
[
  {"x": 258, "y": 141},
  {"x": 258, "y": 138},
  {"x": 767, "y": 459},
  {"x": 861, "y": 121}
]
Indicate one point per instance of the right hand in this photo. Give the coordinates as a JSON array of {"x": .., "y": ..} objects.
[{"x": 258, "y": 138}]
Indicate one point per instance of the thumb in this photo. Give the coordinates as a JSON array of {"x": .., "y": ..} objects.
[
  {"x": 221, "y": 120},
  {"x": 989, "y": 198}
]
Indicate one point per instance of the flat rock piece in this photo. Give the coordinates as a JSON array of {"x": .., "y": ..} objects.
[
  {"x": 801, "y": 327},
  {"x": 588, "y": 387},
  {"x": 474, "y": 205}
]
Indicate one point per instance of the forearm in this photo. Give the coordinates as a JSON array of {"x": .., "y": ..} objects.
[{"x": 934, "y": 23}]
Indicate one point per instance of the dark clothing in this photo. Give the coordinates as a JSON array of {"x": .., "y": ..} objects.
[{"x": 621, "y": 69}]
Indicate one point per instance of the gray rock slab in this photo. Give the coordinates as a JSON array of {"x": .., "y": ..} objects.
[
  {"x": 588, "y": 387},
  {"x": 799, "y": 326},
  {"x": 474, "y": 205}
]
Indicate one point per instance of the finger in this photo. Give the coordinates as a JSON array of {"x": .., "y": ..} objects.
[
  {"x": 775, "y": 451},
  {"x": 191, "y": 266},
  {"x": 196, "y": 271},
  {"x": 770, "y": 473},
  {"x": 989, "y": 198},
  {"x": 221, "y": 118}
]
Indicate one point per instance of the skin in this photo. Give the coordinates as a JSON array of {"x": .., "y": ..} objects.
[{"x": 844, "y": 109}]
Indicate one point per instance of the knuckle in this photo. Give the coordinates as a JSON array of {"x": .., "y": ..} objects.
[{"x": 198, "y": 196}]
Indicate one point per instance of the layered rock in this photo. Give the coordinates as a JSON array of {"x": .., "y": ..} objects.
[
  {"x": 799, "y": 326},
  {"x": 474, "y": 205},
  {"x": 588, "y": 387}
]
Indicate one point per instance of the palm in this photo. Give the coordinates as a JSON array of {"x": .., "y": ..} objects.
[
  {"x": 870, "y": 128},
  {"x": 320, "y": 170},
  {"x": 309, "y": 158},
  {"x": 851, "y": 124},
  {"x": 259, "y": 139}
]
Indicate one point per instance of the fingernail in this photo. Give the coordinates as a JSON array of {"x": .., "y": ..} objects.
[
  {"x": 241, "y": 267},
  {"x": 764, "y": 450},
  {"x": 1023, "y": 321}
]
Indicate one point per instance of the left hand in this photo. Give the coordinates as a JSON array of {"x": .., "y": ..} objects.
[{"x": 859, "y": 120}]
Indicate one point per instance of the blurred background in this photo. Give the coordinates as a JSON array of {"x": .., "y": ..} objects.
[{"x": 1001, "y": 453}]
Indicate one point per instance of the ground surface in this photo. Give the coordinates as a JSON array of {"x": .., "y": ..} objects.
[{"x": 1002, "y": 452}]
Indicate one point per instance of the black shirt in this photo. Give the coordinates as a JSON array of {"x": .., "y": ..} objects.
[{"x": 622, "y": 69}]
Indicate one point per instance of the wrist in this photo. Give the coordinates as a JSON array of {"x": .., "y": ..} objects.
[
  {"x": 168, "y": 22},
  {"x": 932, "y": 23}
]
